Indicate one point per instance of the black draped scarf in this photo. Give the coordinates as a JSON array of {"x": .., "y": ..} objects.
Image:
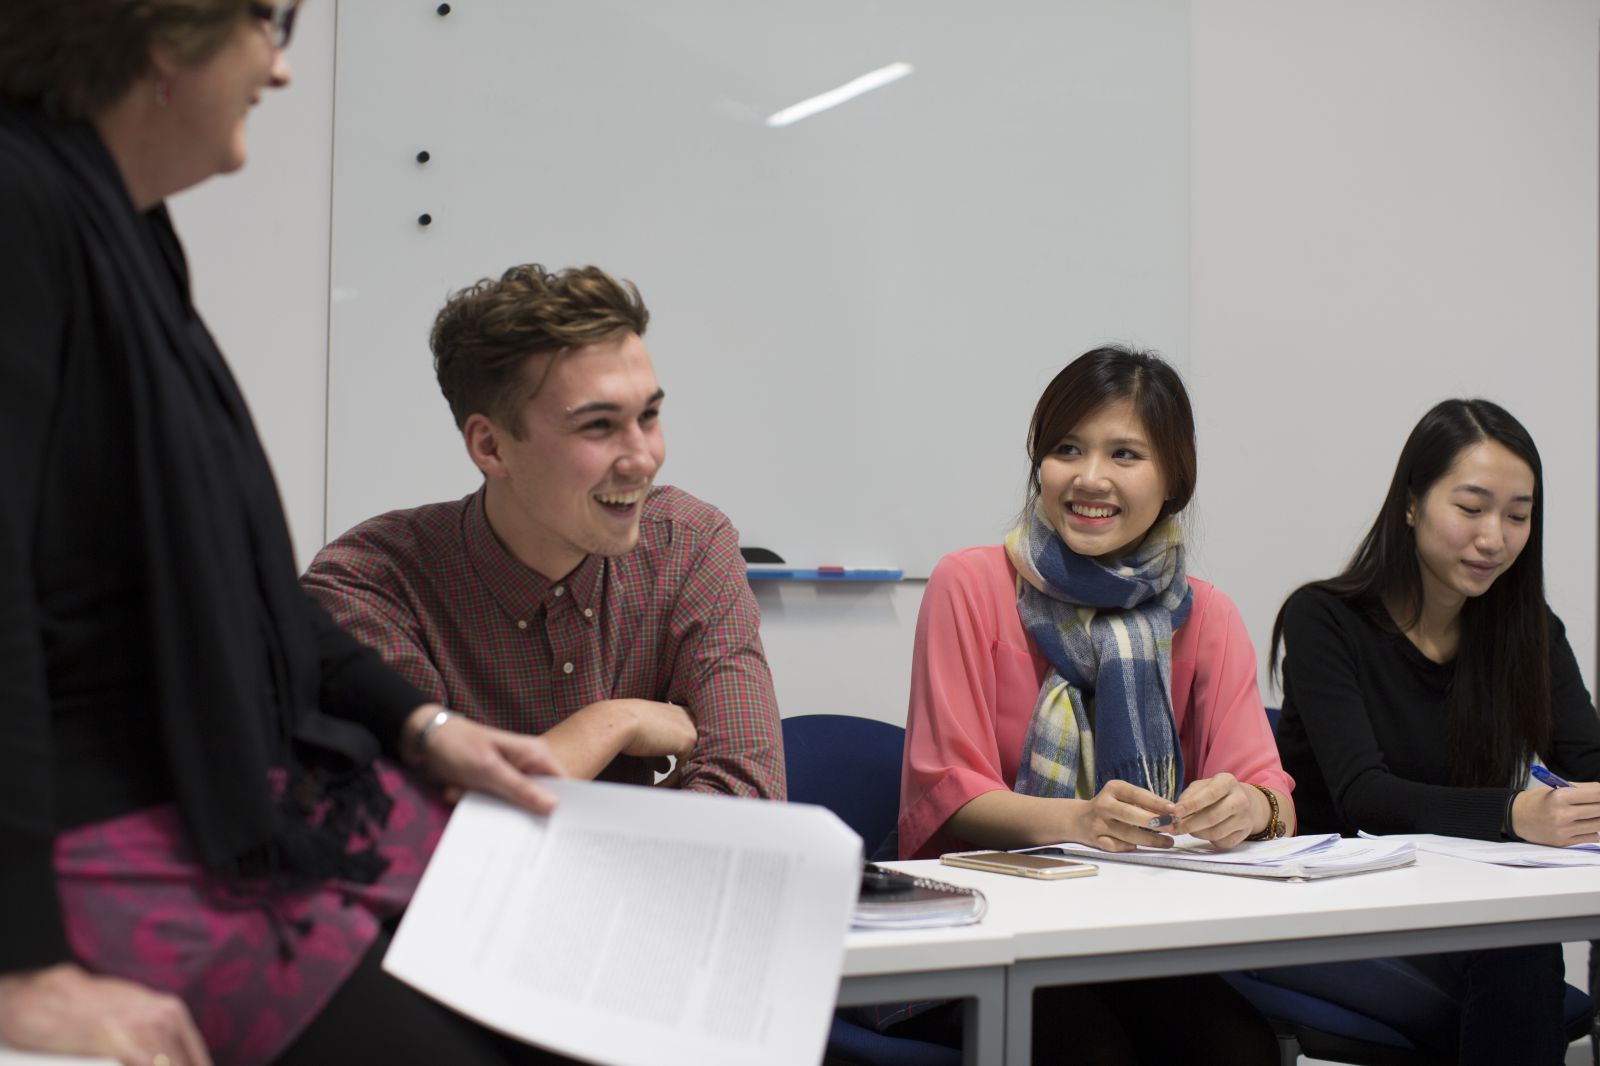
[{"x": 236, "y": 669}]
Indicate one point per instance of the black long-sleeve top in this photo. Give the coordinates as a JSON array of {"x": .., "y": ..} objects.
[
  {"x": 1365, "y": 730},
  {"x": 79, "y": 730}
]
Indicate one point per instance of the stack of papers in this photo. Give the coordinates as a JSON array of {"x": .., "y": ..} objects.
[
  {"x": 638, "y": 926},
  {"x": 901, "y": 901},
  {"x": 1500, "y": 853},
  {"x": 1300, "y": 858}
]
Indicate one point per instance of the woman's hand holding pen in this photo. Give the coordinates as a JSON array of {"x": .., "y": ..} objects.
[
  {"x": 1558, "y": 817},
  {"x": 1120, "y": 816},
  {"x": 1222, "y": 810}
]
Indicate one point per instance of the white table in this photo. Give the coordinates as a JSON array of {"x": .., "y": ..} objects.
[
  {"x": 1138, "y": 921},
  {"x": 967, "y": 962}
]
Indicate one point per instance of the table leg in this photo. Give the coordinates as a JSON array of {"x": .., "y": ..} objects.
[
  {"x": 983, "y": 1013},
  {"x": 1019, "y": 1019},
  {"x": 983, "y": 1020}
]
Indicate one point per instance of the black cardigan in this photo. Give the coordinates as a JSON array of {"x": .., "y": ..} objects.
[
  {"x": 81, "y": 723},
  {"x": 1364, "y": 727}
]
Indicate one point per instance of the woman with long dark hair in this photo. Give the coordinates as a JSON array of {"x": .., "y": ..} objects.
[
  {"x": 1419, "y": 686},
  {"x": 1074, "y": 683}
]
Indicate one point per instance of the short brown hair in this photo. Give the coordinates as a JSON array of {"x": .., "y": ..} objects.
[
  {"x": 486, "y": 333},
  {"x": 1106, "y": 375},
  {"x": 75, "y": 58}
]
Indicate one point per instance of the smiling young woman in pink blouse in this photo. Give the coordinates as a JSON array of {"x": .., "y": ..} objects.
[{"x": 1074, "y": 683}]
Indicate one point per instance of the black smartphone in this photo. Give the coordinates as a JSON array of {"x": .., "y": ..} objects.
[{"x": 880, "y": 883}]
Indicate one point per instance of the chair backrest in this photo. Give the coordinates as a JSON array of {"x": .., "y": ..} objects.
[{"x": 850, "y": 766}]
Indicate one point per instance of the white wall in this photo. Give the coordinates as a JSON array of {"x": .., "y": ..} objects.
[
  {"x": 1374, "y": 183},
  {"x": 1393, "y": 203},
  {"x": 838, "y": 649},
  {"x": 1378, "y": 189},
  {"x": 258, "y": 251}
]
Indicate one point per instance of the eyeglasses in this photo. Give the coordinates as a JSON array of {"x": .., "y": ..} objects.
[{"x": 279, "y": 16}]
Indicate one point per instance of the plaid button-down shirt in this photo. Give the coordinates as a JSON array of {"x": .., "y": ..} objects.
[{"x": 447, "y": 606}]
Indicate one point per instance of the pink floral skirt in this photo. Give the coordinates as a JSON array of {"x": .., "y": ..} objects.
[{"x": 138, "y": 905}]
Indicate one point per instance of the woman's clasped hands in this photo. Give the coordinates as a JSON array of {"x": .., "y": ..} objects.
[{"x": 1222, "y": 810}]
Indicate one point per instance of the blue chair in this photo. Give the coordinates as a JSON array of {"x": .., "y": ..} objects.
[
  {"x": 1319, "y": 1029},
  {"x": 852, "y": 767},
  {"x": 1594, "y": 998},
  {"x": 1323, "y": 1030}
]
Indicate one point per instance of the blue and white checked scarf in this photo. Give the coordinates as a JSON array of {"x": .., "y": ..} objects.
[{"x": 1105, "y": 710}]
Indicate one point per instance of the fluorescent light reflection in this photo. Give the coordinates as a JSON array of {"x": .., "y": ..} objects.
[{"x": 876, "y": 79}]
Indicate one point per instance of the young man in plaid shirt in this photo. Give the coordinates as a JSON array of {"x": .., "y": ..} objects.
[{"x": 569, "y": 596}]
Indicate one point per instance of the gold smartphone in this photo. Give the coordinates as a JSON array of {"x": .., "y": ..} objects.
[{"x": 1043, "y": 867}]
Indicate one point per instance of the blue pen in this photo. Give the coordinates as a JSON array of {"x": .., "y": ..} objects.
[{"x": 1544, "y": 776}]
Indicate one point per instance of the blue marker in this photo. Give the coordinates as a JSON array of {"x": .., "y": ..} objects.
[{"x": 1544, "y": 776}]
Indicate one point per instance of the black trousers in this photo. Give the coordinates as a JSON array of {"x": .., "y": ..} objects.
[
  {"x": 1472, "y": 1007},
  {"x": 376, "y": 1018},
  {"x": 1196, "y": 1018}
]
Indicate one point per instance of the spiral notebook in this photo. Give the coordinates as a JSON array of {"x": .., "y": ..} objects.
[{"x": 890, "y": 899}]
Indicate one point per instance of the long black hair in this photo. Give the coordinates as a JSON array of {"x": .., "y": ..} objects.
[{"x": 1500, "y": 698}]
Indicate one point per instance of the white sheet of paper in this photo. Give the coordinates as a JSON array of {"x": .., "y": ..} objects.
[
  {"x": 1245, "y": 853},
  {"x": 637, "y": 925},
  {"x": 1255, "y": 852},
  {"x": 1299, "y": 858},
  {"x": 1501, "y": 853}
]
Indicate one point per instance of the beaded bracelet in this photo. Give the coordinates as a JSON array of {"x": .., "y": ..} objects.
[{"x": 1275, "y": 827}]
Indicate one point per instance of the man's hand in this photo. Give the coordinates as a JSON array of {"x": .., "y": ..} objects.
[
  {"x": 463, "y": 754},
  {"x": 68, "y": 1011},
  {"x": 659, "y": 729},
  {"x": 597, "y": 733},
  {"x": 1119, "y": 816},
  {"x": 1558, "y": 816},
  {"x": 1222, "y": 810}
]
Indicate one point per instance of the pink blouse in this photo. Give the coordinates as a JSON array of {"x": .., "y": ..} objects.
[{"x": 975, "y": 679}]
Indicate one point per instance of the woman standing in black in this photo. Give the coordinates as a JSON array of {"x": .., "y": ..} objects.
[{"x": 201, "y": 844}]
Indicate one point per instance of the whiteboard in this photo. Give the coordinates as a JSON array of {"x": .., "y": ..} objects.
[{"x": 852, "y": 316}]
